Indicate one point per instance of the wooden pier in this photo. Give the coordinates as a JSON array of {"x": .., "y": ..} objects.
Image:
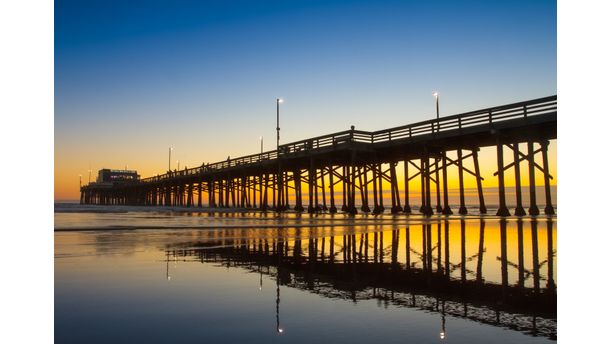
[{"x": 308, "y": 175}]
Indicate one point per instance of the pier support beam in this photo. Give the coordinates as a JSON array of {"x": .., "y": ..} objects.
[
  {"x": 548, "y": 210},
  {"x": 344, "y": 173},
  {"x": 381, "y": 207},
  {"x": 428, "y": 211},
  {"x": 297, "y": 182},
  {"x": 332, "y": 203},
  {"x": 406, "y": 189},
  {"x": 363, "y": 183},
  {"x": 375, "y": 190},
  {"x": 438, "y": 203},
  {"x": 447, "y": 210},
  {"x": 311, "y": 181},
  {"x": 533, "y": 207},
  {"x": 503, "y": 209},
  {"x": 462, "y": 208},
  {"x": 396, "y": 206},
  {"x": 352, "y": 209},
  {"x": 481, "y": 202},
  {"x": 519, "y": 210}
]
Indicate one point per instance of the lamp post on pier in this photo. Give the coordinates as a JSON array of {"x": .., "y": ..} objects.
[
  {"x": 278, "y": 102},
  {"x": 261, "y": 143},
  {"x": 169, "y": 156},
  {"x": 437, "y": 96},
  {"x": 80, "y": 182},
  {"x": 279, "y": 177}
]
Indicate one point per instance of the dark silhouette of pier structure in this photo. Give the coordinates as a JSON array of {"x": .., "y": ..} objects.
[{"x": 357, "y": 162}]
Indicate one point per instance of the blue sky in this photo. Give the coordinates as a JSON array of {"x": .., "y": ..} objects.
[{"x": 132, "y": 77}]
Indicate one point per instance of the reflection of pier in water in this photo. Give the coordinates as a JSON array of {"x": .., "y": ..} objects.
[{"x": 415, "y": 266}]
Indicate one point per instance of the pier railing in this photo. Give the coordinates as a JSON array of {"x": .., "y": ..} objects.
[{"x": 489, "y": 116}]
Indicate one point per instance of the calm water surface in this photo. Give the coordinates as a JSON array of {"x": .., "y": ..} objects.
[{"x": 126, "y": 275}]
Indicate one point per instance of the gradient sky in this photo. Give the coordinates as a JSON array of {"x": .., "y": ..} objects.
[{"x": 134, "y": 77}]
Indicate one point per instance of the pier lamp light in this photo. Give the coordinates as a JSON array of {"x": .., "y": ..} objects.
[
  {"x": 280, "y": 330},
  {"x": 437, "y": 96},
  {"x": 442, "y": 335},
  {"x": 261, "y": 143},
  {"x": 170, "y": 149}
]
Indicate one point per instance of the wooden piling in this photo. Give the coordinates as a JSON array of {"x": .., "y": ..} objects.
[
  {"x": 503, "y": 209},
  {"x": 462, "y": 208}
]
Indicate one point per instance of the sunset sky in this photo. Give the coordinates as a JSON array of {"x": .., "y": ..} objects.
[{"x": 135, "y": 77}]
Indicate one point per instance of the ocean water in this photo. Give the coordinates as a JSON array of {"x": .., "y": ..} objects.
[{"x": 159, "y": 275}]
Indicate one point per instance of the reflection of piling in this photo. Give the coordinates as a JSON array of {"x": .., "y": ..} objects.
[
  {"x": 439, "y": 260},
  {"x": 408, "y": 248},
  {"x": 481, "y": 249},
  {"x": 504, "y": 256},
  {"x": 355, "y": 279},
  {"x": 463, "y": 258},
  {"x": 536, "y": 259},
  {"x": 446, "y": 250},
  {"x": 521, "y": 259},
  {"x": 550, "y": 259}
]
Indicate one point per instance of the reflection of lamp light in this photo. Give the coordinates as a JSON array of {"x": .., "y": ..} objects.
[
  {"x": 443, "y": 333},
  {"x": 168, "y": 277},
  {"x": 279, "y": 330}
]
